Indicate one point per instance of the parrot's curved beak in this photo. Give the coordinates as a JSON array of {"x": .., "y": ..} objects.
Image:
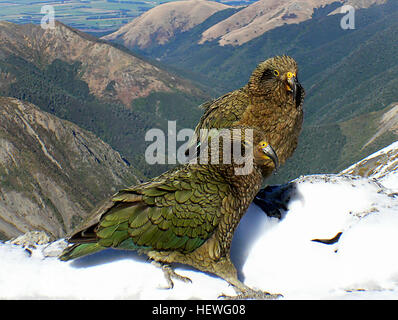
[
  {"x": 270, "y": 153},
  {"x": 292, "y": 85}
]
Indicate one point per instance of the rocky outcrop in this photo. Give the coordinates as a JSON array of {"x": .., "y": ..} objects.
[
  {"x": 52, "y": 173},
  {"x": 381, "y": 166}
]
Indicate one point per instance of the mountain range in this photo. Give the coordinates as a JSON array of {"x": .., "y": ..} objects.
[
  {"x": 349, "y": 76},
  {"x": 108, "y": 71},
  {"x": 65, "y": 76},
  {"x": 265, "y": 15},
  {"x": 166, "y": 21},
  {"x": 101, "y": 87},
  {"x": 118, "y": 94}
]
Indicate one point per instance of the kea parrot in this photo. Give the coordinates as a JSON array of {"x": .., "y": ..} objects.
[
  {"x": 272, "y": 101},
  {"x": 186, "y": 215}
]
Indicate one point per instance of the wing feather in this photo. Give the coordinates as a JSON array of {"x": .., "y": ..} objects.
[
  {"x": 171, "y": 212},
  {"x": 223, "y": 112}
]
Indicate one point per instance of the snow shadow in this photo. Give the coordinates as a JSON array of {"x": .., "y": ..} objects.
[
  {"x": 267, "y": 209},
  {"x": 107, "y": 256}
]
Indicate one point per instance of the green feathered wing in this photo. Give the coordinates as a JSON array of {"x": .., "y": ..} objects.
[{"x": 177, "y": 211}]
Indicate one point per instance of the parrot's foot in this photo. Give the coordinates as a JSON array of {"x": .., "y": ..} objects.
[
  {"x": 227, "y": 271},
  {"x": 252, "y": 294},
  {"x": 170, "y": 274},
  {"x": 245, "y": 292}
]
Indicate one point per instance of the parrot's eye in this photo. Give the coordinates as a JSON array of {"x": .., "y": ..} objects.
[
  {"x": 276, "y": 73},
  {"x": 263, "y": 144}
]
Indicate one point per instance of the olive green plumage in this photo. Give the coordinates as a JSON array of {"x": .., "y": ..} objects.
[
  {"x": 176, "y": 211},
  {"x": 271, "y": 101},
  {"x": 186, "y": 215}
]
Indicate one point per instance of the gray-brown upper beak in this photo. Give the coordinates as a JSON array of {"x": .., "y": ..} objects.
[
  {"x": 270, "y": 153},
  {"x": 293, "y": 84}
]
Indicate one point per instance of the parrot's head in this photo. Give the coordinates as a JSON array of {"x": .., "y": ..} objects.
[
  {"x": 242, "y": 146},
  {"x": 277, "y": 79},
  {"x": 254, "y": 139},
  {"x": 263, "y": 152}
]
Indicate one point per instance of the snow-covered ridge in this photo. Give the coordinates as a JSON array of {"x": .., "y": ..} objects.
[
  {"x": 381, "y": 165},
  {"x": 275, "y": 255}
]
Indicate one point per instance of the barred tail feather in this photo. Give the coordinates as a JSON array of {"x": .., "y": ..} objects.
[{"x": 79, "y": 250}]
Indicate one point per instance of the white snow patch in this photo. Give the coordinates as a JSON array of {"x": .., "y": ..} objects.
[
  {"x": 277, "y": 256},
  {"x": 365, "y": 258},
  {"x": 107, "y": 275}
]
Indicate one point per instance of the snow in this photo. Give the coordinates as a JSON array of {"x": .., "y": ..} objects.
[
  {"x": 364, "y": 258},
  {"x": 111, "y": 274},
  {"x": 278, "y": 256},
  {"x": 390, "y": 181}
]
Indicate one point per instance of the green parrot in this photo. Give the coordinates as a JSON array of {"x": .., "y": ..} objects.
[
  {"x": 271, "y": 101},
  {"x": 186, "y": 215}
]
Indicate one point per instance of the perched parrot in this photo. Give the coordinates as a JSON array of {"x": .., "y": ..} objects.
[
  {"x": 271, "y": 101},
  {"x": 186, "y": 215}
]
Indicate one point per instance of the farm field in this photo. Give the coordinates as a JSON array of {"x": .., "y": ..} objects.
[
  {"x": 95, "y": 16},
  {"x": 89, "y": 16}
]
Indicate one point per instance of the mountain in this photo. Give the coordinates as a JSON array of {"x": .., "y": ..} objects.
[
  {"x": 108, "y": 71},
  {"x": 167, "y": 21},
  {"x": 100, "y": 87},
  {"x": 52, "y": 173},
  {"x": 260, "y": 17},
  {"x": 284, "y": 255},
  {"x": 265, "y": 15},
  {"x": 349, "y": 76},
  {"x": 160, "y": 24}
]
